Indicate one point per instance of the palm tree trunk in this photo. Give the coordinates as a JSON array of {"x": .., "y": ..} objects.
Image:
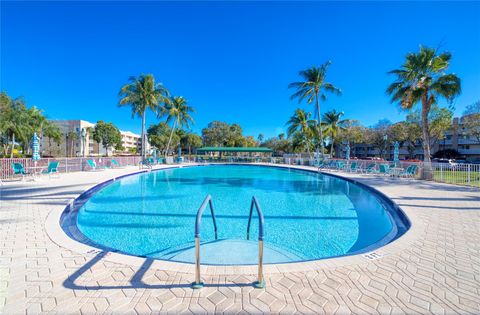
[
  {"x": 331, "y": 147},
  {"x": 319, "y": 122},
  {"x": 143, "y": 151},
  {"x": 170, "y": 139},
  {"x": 13, "y": 145},
  {"x": 427, "y": 167}
]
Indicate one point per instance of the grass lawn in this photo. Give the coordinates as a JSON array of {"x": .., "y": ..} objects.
[{"x": 457, "y": 177}]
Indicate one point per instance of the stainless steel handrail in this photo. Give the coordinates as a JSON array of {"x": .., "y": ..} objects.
[
  {"x": 260, "y": 283},
  {"x": 198, "y": 284}
]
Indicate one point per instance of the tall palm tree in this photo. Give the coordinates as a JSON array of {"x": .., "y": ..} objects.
[
  {"x": 313, "y": 88},
  {"x": 142, "y": 93},
  {"x": 177, "y": 112},
  {"x": 332, "y": 124},
  {"x": 300, "y": 122},
  {"x": 422, "y": 78}
]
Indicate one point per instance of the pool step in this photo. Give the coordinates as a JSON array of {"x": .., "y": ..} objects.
[{"x": 230, "y": 252}]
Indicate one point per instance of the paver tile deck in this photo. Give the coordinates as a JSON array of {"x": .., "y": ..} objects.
[{"x": 433, "y": 269}]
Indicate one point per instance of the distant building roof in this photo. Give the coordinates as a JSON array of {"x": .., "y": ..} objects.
[{"x": 234, "y": 149}]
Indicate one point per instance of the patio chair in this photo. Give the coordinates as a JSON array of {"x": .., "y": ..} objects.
[
  {"x": 340, "y": 165},
  {"x": 51, "y": 169},
  {"x": 410, "y": 172},
  {"x": 384, "y": 169},
  {"x": 93, "y": 166},
  {"x": 371, "y": 168},
  {"x": 353, "y": 167},
  {"x": 18, "y": 169}
]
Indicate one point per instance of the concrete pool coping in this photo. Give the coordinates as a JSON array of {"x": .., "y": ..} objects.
[{"x": 57, "y": 234}]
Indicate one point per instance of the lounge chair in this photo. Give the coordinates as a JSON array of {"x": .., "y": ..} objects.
[
  {"x": 384, "y": 169},
  {"x": 340, "y": 165},
  {"x": 353, "y": 167},
  {"x": 410, "y": 172},
  {"x": 114, "y": 164},
  {"x": 93, "y": 166},
  {"x": 51, "y": 169},
  {"x": 18, "y": 169},
  {"x": 371, "y": 168}
]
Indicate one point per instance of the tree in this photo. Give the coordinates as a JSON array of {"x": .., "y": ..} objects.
[
  {"x": 221, "y": 134},
  {"x": 422, "y": 79},
  {"x": 177, "y": 112},
  {"x": 440, "y": 120},
  {"x": 407, "y": 134},
  {"x": 159, "y": 135},
  {"x": 143, "y": 93},
  {"x": 377, "y": 136},
  {"x": 313, "y": 87},
  {"x": 72, "y": 136},
  {"x": 353, "y": 133},
  {"x": 192, "y": 140},
  {"x": 13, "y": 118},
  {"x": 108, "y": 135},
  {"x": 331, "y": 125},
  {"x": 260, "y": 137},
  {"x": 471, "y": 120},
  {"x": 301, "y": 128}
]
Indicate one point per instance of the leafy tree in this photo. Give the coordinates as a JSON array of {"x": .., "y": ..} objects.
[
  {"x": 376, "y": 136},
  {"x": 143, "y": 93},
  {"x": 422, "y": 79},
  {"x": 353, "y": 133},
  {"x": 278, "y": 145},
  {"x": 407, "y": 134},
  {"x": 221, "y": 134},
  {"x": 250, "y": 142},
  {"x": 192, "y": 141},
  {"x": 108, "y": 135},
  {"x": 301, "y": 128},
  {"x": 177, "y": 112},
  {"x": 159, "y": 135},
  {"x": 313, "y": 88},
  {"x": 440, "y": 120},
  {"x": 471, "y": 120},
  {"x": 331, "y": 125},
  {"x": 13, "y": 118}
]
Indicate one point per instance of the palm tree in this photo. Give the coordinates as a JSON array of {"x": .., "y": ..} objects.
[
  {"x": 178, "y": 112},
  {"x": 313, "y": 88},
  {"x": 332, "y": 125},
  {"x": 143, "y": 93},
  {"x": 422, "y": 78},
  {"x": 300, "y": 122}
]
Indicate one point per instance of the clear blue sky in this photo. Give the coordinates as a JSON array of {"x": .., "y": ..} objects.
[{"x": 231, "y": 60}]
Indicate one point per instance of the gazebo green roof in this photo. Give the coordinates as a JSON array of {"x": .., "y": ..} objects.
[{"x": 234, "y": 149}]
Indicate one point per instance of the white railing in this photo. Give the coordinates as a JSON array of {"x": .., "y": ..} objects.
[
  {"x": 459, "y": 174},
  {"x": 65, "y": 165}
]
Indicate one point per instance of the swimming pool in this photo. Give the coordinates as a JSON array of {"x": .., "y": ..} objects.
[{"x": 308, "y": 215}]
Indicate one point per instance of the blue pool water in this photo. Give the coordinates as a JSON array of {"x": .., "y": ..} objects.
[{"x": 307, "y": 215}]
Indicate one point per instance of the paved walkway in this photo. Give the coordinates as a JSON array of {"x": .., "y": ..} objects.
[{"x": 433, "y": 268}]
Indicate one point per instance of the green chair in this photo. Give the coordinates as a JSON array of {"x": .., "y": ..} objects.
[
  {"x": 410, "y": 172},
  {"x": 353, "y": 167},
  {"x": 371, "y": 168},
  {"x": 18, "y": 169},
  {"x": 340, "y": 165},
  {"x": 384, "y": 169},
  {"x": 93, "y": 166},
  {"x": 114, "y": 163},
  {"x": 52, "y": 168}
]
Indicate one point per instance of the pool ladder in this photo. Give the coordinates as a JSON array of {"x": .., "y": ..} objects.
[{"x": 260, "y": 283}]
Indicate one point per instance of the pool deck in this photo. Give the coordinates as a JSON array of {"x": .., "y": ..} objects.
[{"x": 433, "y": 268}]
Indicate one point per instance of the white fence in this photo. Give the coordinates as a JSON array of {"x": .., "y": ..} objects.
[
  {"x": 65, "y": 165},
  {"x": 459, "y": 174}
]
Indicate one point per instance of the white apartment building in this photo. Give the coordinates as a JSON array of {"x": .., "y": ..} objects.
[{"x": 77, "y": 142}]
